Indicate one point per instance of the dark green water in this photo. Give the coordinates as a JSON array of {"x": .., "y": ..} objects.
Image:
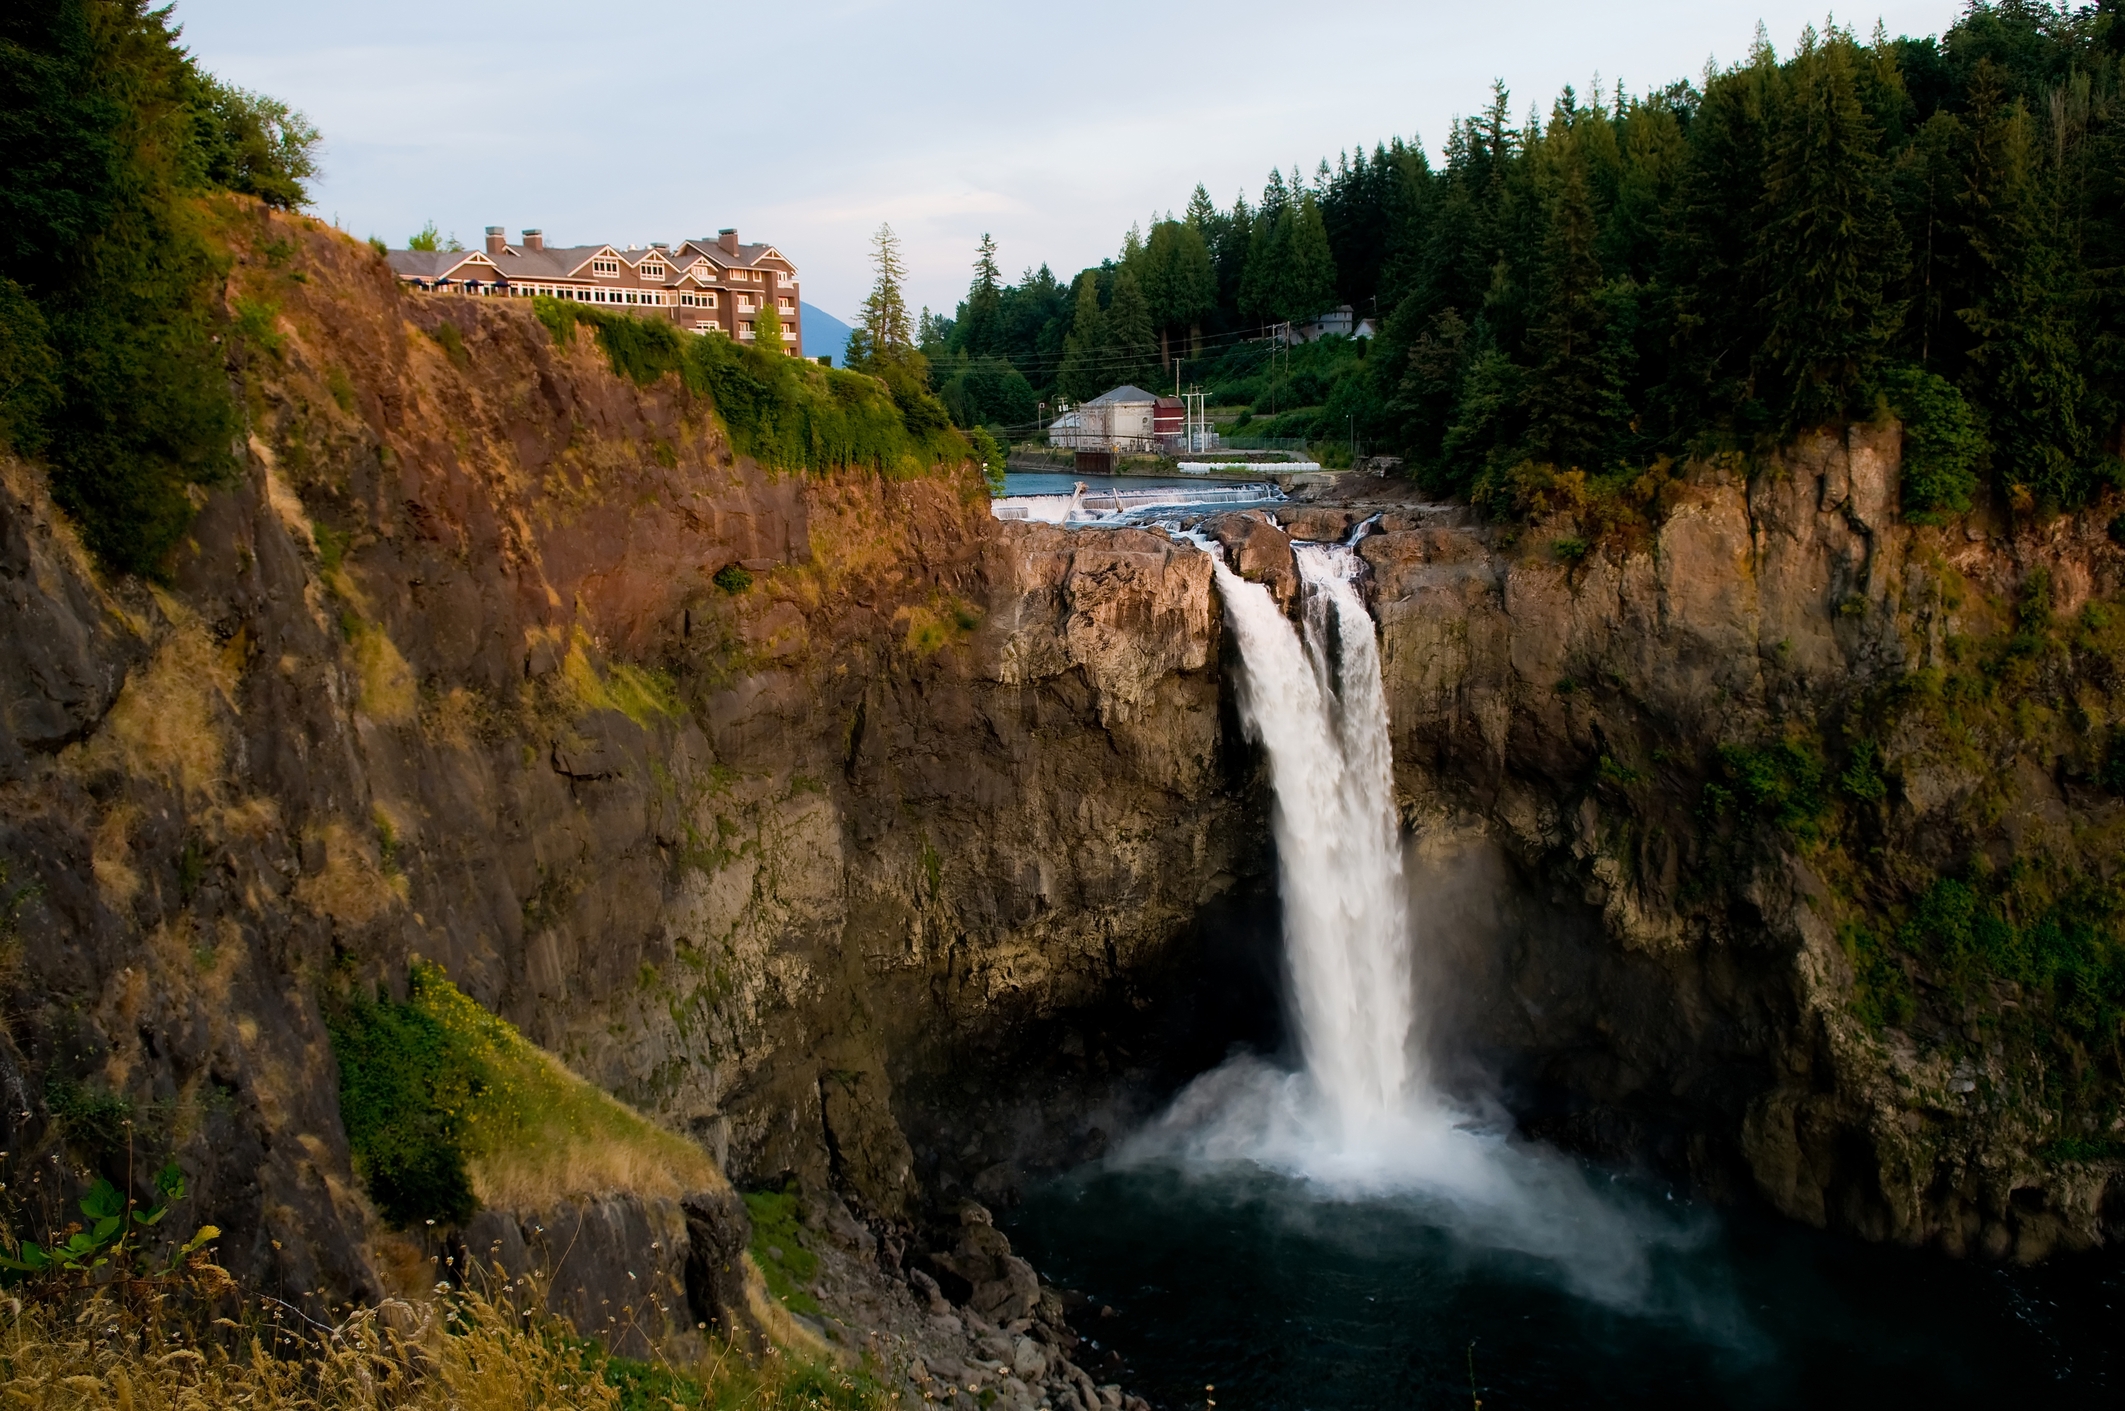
[{"x": 1246, "y": 1282}]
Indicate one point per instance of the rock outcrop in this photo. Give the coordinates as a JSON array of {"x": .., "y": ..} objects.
[
  {"x": 1669, "y": 966},
  {"x": 800, "y": 860}
]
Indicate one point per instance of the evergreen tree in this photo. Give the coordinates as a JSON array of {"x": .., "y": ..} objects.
[
  {"x": 1132, "y": 352},
  {"x": 981, "y": 327},
  {"x": 767, "y": 327},
  {"x": 1261, "y": 291},
  {"x": 1084, "y": 351},
  {"x": 1201, "y": 214},
  {"x": 1179, "y": 282},
  {"x": 1228, "y": 252},
  {"x": 883, "y": 336},
  {"x": 933, "y": 336},
  {"x": 2023, "y": 364},
  {"x": 115, "y": 356},
  {"x": 1572, "y": 398},
  {"x": 1831, "y": 248},
  {"x": 1308, "y": 284},
  {"x": 1712, "y": 276}
]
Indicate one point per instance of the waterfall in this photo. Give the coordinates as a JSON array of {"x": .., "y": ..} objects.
[
  {"x": 1360, "y": 1118},
  {"x": 1312, "y": 697}
]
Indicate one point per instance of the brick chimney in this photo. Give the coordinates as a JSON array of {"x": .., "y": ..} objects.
[
  {"x": 534, "y": 239},
  {"x": 496, "y": 241},
  {"x": 728, "y": 239}
]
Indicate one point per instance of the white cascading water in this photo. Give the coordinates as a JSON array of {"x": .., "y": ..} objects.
[
  {"x": 1316, "y": 705},
  {"x": 1360, "y": 1118}
]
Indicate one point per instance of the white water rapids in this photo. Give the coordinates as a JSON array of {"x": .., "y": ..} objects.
[{"x": 1360, "y": 1118}]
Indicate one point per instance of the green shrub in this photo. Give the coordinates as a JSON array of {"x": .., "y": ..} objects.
[
  {"x": 405, "y": 1083},
  {"x": 1862, "y": 778},
  {"x": 786, "y": 413},
  {"x": 1944, "y": 447},
  {"x": 778, "y": 1248},
  {"x": 95, "y": 1124},
  {"x": 1782, "y": 782},
  {"x": 257, "y": 324},
  {"x": 642, "y": 349},
  {"x": 559, "y": 316},
  {"x": 989, "y": 456},
  {"x": 1882, "y": 994},
  {"x": 2055, "y": 933},
  {"x": 453, "y": 344},
  {"x": 733, "y": 578}
]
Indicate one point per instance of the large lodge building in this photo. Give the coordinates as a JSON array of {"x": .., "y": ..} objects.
[{"x": 708, "y": 286}]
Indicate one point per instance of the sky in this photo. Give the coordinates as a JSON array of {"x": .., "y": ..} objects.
[{"x": 809, "y": 122}]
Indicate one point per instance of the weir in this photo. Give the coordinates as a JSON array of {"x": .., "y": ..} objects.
[{"x": 1113, "y": 506}]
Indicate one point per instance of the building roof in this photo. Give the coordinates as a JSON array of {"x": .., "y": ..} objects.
[
  {"x": 1124, "y": 395},
  {"x": 572, "y": 261},
  {"x": 747, "y": 256},
  {"x": 428, "y": 264}
]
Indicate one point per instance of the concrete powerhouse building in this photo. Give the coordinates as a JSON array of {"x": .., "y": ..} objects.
[{"x": 707, "y": 286}]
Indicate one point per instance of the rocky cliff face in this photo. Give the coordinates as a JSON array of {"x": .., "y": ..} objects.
[
  {"x": 789, "y": 857},
  {"x": 1702, "y": 780}
]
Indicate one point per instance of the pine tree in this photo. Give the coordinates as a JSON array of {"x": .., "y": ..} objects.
[
  {"x": 1711, "y": 273},
  {"x": 1309, "y": 278},
  {"x": 1571, "y": 397},
  {"x": 1132, "y": 352},
  {"x": 1261, "y": 292},
  {"x": 1201, "y": 213},
  {"x": 981, "y": 328},
  {"x": 2024, "y": 365},
  {"x": 1831, "y": 249},
  {"x": 1179, "y": 282},
  {"x": 1084, "y": 350},
  {"x": 884, "y": 335},
  {"x": 1261, "y": 284}
]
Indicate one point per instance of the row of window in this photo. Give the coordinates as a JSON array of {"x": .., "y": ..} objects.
[
  {"x": 596, "y": 296},
  {"x": 703, "y": 271},
  {"x": 746, "y": 302}
]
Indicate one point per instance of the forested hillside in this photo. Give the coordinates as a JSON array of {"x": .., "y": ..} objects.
[{"x": 1935, "y": 227}]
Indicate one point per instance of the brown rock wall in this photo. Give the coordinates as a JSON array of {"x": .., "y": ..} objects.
[{"x": 445, "y": 672}]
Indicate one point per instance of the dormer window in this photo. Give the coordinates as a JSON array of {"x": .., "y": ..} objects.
[
  {"x": 604, "y": 266},
  {"x": 651, "y": 271}
]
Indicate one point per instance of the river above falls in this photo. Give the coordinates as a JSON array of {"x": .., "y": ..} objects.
[{"x": 1249, "y": 1283}]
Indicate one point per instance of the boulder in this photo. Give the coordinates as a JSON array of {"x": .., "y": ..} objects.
[{"x": 1258, "y": 551}]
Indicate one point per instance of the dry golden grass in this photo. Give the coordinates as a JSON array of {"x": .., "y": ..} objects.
[
  {"x": 575, "y": 1139},
  {"x": 388, "y": 692},
  {"x": 641, "y": 695},
  {"x": 168, "y": 721},
  {"x": 111, "y": 857},
  {"x": 352, "y": 887},
  {"x": 101, "y": 1356},
  {"x": 460, "y": 1351},
  {"x": 537, "y": 1134}
]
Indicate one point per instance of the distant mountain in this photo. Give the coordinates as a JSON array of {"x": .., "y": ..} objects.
[{"x": 824, "y": 334}]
